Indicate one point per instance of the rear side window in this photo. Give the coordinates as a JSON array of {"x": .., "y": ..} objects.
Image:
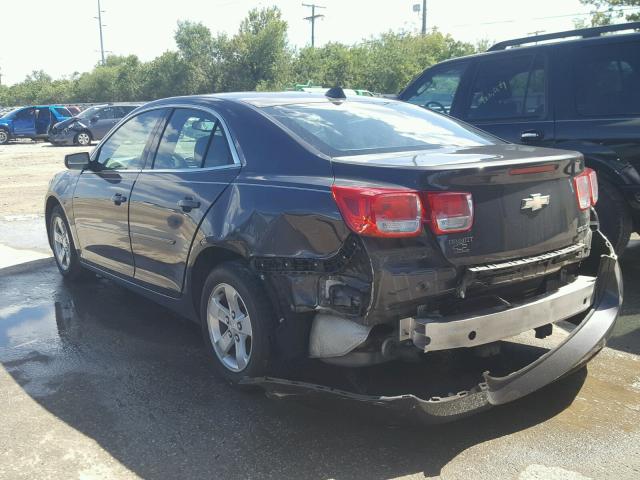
[
  {"x": 359, "y": 127},
  {"x": 63, "y": 112},
  {"x": 192, "y": 139},
  {"x": 509, "y": 87},
  {"x": 437, "y": 88},
  {"x": 607, "y": 79}
]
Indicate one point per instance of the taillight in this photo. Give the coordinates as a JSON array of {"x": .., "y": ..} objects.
[
  {"x": 593, "y": 182},
  {"x": 448, "y": 212},
  {"x": 586, "y": 186},
  {"x": 380, "y": 212}
]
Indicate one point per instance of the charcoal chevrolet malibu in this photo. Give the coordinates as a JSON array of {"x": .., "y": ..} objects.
[{"x": 356, "y": 231}]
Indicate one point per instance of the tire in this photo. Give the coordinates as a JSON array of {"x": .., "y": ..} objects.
[
  {"x": 83, "y": 138},
  {"x": 614, "y": 216},
  {"x": 4, "y": 136},
  {"x": 64, "y": 250},
  {"x": 222, "y": 335}
]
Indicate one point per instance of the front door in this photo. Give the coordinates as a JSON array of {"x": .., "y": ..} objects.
[
  {"x": 508, "y": 97},
  {"x": 192, "y": 167},
  {"x": 101, "y": 197},
  {"x": 24, "y": 122}
]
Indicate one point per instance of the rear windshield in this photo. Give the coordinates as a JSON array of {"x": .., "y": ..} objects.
[{"x": 352, "y": 128}]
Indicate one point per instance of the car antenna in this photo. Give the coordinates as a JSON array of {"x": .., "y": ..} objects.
[{"x": 336, "y": 93}]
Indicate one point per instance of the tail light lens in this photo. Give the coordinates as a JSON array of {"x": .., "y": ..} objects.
[
  {"x": 449, "y": 212},
  {"x": 380, "y": 212},
  {"x": 586, "y": 186},
  {"x": 593, "y": 182}
]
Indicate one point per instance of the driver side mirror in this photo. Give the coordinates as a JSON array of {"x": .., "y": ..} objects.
[
  {"x": 94, "y": 119},
  {"x": 77, "y": 161}
]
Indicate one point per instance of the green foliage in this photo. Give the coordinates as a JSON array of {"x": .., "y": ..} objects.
[
  {"x": 608, "y": 11},
  {"x": 257, "y": 57}
]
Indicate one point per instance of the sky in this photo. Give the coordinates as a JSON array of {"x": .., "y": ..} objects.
[{"x": 61, "y": 36}]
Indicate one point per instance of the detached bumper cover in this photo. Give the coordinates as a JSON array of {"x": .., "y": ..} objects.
[{"x": 587, "y": 339}]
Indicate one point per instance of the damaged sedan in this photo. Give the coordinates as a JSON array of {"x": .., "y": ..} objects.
[{"x": 309, "y": 233}]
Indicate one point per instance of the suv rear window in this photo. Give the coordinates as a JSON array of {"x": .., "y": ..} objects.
[
  {"x": 607, "y": 79},
  {"x": 509, "y": 87},
  {"x": 354, "y": 127}
]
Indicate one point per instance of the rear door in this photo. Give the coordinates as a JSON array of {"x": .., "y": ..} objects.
[
  {"x": 192, "y": 166},
  {"x": 101, "y": 197},
  {"x": 508, "y": 96},
  {"x": 599, "y": 109}
]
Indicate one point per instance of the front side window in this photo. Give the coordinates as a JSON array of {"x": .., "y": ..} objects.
[
  {"x": 438, "y": 88},
  {"x": 509, "y": 87},
  {"x": 26, "y": 114},
  {"x": 104, "y": 114},
  {"x": 192, "y": 139},
  {"x": 125, "y": 148},
  {"x": 607, "y": 79},
  {"x": 359, "y": 127}
]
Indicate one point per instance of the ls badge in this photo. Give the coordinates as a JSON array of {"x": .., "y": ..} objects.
[{"x": 535, "y": 202}]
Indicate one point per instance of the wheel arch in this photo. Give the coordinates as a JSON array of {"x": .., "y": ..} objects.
[
  {"x": 205, "y": 261},
  {"x": 50, "y": 204}
]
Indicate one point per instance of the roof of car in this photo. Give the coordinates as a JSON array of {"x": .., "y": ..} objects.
[
  {"x": 268, "y": 99},
  {"x": 513, "y": 47}
]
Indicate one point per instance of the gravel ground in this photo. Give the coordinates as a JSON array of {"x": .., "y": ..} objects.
[{"x": 26, "y": 170}]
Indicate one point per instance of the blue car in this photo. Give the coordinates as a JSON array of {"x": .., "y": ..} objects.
[{"x": 31, "y": 122}]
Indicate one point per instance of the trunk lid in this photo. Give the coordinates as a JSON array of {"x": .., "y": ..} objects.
[{"x": 519, "y": 211}]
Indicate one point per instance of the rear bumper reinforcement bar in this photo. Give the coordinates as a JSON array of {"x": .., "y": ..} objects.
[
  {"x": 586, "y": 339},
  {"x": 500, "y": 323}
]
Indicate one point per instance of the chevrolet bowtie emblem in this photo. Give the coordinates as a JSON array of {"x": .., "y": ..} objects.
[{"x": 535, "y": 202}]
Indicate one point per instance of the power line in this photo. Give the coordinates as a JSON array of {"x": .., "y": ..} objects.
[
  {"x": 312, "y": 19},
  {"x": 578, "y": 14},
  {"x": 100, "y": 25}
]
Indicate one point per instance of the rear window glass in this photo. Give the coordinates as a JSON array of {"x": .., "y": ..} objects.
[
  {"x": 607, "y": 79},
  {"x": 63, "y": 112},
  {"x": 339, "y": 128}
]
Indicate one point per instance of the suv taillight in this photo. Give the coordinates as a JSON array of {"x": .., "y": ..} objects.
[
  {"x": 586, "y": 187},
  {"x": 448, "y": 212},
  {"x": 380, "y": 212}
]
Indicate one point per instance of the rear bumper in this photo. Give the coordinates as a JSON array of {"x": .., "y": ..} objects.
[{"x": 577, "y": 349}]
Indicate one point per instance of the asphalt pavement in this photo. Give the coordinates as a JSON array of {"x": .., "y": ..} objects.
[{"x": 97, "y": 382}]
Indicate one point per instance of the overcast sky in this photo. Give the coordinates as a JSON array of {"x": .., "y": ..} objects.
[{"x": 61, "y": 36}]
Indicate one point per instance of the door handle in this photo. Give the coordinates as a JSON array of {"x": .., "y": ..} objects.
[
  {"x": 119, "y": 199},
  {"x": 187, "y": 204},
  {"x": 531, "y": 135}
]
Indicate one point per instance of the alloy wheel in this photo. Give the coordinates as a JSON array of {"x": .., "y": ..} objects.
[
  {"x": 61, "y": 246},
  {"x": 229, "y": 327},
  {"x": 84, "y": 139},
  {"x": 3, "y": 137}
]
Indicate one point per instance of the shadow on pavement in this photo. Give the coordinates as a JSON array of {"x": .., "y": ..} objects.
[{"x": 136, "y": 379}]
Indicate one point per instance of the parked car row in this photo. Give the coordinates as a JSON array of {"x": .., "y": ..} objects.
[{"x": 59, "y": 125}]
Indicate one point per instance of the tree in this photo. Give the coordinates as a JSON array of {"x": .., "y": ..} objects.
[
  {"x": 257, "y": 57},
  {"x": 607, "y": 11}
]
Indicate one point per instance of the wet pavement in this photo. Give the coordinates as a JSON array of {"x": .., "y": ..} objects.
[{"x": 97, "y": 382}]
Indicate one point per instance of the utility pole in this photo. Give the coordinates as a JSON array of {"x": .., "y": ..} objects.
[
  {"x": 312, "y": 19},
  {"x": 99, "y": 18},
  {"x": 0, "y": 76},
  {"x": 424, "y": 17}
]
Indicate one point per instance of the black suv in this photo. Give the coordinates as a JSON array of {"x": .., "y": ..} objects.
[{"x": 580, "y": 94}]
